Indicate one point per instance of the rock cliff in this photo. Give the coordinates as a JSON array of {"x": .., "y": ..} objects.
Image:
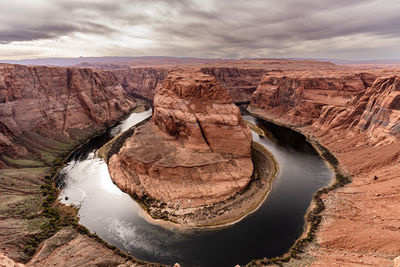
[
  {"x": 375, "y": 111},
  {"x": 301, "y": 96},
  {"x": 141, "y": 82},
  {"x": 145, "y": 81},
  {"x": 240, "y": 82},
  {"x": 46, "y": 111},
  {"x": 360, "y": 221},
  {"x": 196, "y": 149},
  {"x": 352, "y": 102}
]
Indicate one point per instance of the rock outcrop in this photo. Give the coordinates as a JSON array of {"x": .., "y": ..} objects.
[
  {"x": 350, "y": 102},
  {"x": 45, "y": 111},
  {"x": 196, "y": 149}
]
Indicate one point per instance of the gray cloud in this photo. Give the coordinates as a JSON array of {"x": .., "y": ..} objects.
[{"x": 327, "y": 28}]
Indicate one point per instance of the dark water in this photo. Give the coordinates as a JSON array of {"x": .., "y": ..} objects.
[{"x": 268, "y": 232}]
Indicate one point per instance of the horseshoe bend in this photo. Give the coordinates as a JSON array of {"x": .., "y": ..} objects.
[
  {"x": 193, "y": 162},
  {"x": 193, "y": 154},
  {"x": 199, "y": 133}
]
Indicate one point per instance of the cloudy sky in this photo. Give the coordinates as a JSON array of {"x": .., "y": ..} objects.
[{"x": 349, "y": 29}]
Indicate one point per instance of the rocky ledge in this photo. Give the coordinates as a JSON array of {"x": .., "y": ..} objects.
[{"x": 195, "y": 151}]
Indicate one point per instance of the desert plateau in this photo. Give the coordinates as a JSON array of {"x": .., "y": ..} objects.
[{"x": 188, "y": 134}]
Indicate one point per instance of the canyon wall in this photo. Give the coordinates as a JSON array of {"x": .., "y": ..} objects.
[
  {"x": 141, "y": 82},
  {"x": 349, "y": 101},
  {"x": 301, "y": 96},
  {"x": 240, "y": 82},
  {"x": 375, "y": 111},
  {"x": 357, "y": 118},
  {"x": 196, "y": 149},
  {"x": 145, "y": 81},
  {"x": 46, "y": 111},
  {"x": 240, "y": 79}
]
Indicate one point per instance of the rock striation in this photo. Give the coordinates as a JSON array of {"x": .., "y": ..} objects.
[
  {"x": 141, "y": 82},
  {"x": 301, "y": 96},
  {"x": 45, "y": 111},
  {"x": 375, "y": 111},
  {"x": 351, "y": 102},
  {"x": 240, "y": 82},
  {"x": 360, "y": 220},
  {"x": 195, "y": 150}
]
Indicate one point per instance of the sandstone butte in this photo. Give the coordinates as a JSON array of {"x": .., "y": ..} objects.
[
  {"x": 195, "y": 150},
  {"x": 357, "y": 117}
]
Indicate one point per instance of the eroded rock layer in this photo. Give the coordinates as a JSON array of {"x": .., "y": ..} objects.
[
  {"x": 301, "y": 96},
  {"x": 353, "y": 102},
  {"x": 195, "y": 150},
  {"x": 360, "y": 223},
  {"x": 375, "y": 111},
  {"x": 145, "y": 81},
  {"x": 240, "y": 82},
  {"x": 46, "y": 110},
  {"x": 142, "y": 82}
]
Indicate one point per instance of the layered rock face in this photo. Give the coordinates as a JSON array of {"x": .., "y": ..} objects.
[
  {"x": 353, "y": 103},
  {"x": 240, "y": 82},
  {"x": 47, "y": 110},
  {"x": 196, "y": 149},
  {"x": 302, "y": 96},
  {"x": 142, "y": 82},
  {"x": 360, "y": 221},
  {"x": 145, "y": 81},
  {"x": 375, "y": 111}
]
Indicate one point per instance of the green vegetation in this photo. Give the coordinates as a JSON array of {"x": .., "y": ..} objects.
[
  {"x": 57, "y": 216},
  {"x": 21, "y": 163},
  {"x": 34, "y": 206}
]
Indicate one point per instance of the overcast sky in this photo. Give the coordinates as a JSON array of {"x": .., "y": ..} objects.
[{"x": 349, "y": 29}]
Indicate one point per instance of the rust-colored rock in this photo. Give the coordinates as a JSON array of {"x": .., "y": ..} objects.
[
  {"x": 145, "y": 81},
  {"x": 301, "y": 96},
  {"x": 195, "y": 150},
  {"x": 142, "y": 82},
  {"x": 44, "y": 108},
  {"x": 375, "y": 111},
  {"x": 68, "y": 248},
  {"x": 349, "y": 101},
  {"x": 360, "y": 223},
  {"x": 7, "y": 262},
  {"x": 240, "y": 82}
]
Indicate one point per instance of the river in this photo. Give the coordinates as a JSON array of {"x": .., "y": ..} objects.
[{"x": 268, "y": 232}]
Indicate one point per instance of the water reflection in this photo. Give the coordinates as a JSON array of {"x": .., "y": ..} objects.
[{"x": 268, "y": 232}]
